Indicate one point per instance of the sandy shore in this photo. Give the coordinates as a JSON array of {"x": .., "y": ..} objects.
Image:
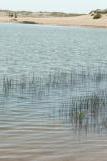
[{"x": 84, "y": 20}]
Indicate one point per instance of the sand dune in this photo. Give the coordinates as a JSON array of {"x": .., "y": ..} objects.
[{"x": 83, "y": 20}]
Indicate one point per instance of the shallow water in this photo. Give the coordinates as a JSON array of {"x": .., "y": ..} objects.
[{"x": 53, "y": 93}]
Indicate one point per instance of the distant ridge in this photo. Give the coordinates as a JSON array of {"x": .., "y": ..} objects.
[{"x": 38, "y": 14}]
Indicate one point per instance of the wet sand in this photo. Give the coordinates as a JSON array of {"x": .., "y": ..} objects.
[{"x": 84, "y": 20}]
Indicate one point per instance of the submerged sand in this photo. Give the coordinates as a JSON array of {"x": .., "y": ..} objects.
[
  {"x": 52, "y": 146},
  {"x": 83, "y": 20}
]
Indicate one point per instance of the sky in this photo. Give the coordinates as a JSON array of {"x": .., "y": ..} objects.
[{"x": 80, "y": 6}]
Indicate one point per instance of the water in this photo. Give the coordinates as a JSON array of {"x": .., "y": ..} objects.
[
  {"x": 46, "y": 48},
  {"x": 53, "y": 93}
]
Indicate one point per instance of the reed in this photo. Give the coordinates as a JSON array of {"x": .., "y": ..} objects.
[{"x": 81, "y": 100}]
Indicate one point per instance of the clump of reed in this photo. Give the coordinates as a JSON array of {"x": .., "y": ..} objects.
[
  {"x": 85, "y": 112},
  {"x": 58, "y": 79}
]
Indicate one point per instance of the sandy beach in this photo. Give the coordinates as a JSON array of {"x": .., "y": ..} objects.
[{"x": 83, "y": 20}]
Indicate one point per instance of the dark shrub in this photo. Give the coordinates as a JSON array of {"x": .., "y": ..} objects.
[{"x": 97, "y": 16}]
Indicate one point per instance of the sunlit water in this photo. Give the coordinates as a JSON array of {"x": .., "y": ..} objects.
[{"x": 53, "y": 93}]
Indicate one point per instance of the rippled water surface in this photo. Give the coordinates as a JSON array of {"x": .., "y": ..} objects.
[{"x": 53, "y": 93}]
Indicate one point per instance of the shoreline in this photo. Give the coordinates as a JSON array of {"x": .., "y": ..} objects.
[
  {"x": 79, "y": 21},
  {"x": 80, "y": 26}
]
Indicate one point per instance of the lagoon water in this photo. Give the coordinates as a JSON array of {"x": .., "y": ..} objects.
[{"x": 53, "y": 93}]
